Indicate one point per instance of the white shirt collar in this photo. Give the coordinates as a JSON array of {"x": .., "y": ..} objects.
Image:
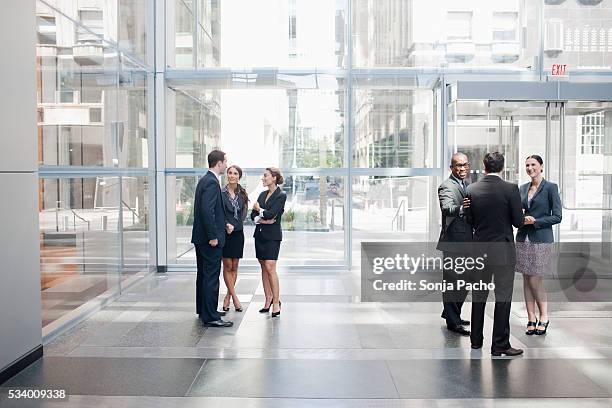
[
  {"x": 494, "y": 174},
  {"x": 216, "y": 175}
]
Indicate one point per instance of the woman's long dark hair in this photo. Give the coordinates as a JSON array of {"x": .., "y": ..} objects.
[{"x": 240, "y": 190}]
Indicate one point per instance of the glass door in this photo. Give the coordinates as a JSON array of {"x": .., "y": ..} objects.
[
  {"x": 516, "y": 129},
  {"x": 585, "y": 173},
  {"x": 574, "y": 139}
]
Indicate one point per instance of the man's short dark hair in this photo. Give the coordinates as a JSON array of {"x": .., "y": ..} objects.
[
  {"x": 493, "y": 162},
  {"x": 215, "y": 157}
]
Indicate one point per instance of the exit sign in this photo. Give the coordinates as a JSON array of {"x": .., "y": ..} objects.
[{"x": 559, "y": 69}]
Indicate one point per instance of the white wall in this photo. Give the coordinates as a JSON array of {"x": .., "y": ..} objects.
[{"x": 20, "y": 313}]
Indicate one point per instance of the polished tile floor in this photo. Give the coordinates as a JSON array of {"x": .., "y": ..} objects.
[{"x": 148, "y": 349}]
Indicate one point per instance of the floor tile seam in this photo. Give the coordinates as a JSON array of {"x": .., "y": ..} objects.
[
  {"x": 195, "y": 378},
  {"x": 397, "y": 393}
]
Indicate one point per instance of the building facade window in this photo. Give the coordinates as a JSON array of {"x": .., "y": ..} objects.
[{"x": 592, "y": 131}]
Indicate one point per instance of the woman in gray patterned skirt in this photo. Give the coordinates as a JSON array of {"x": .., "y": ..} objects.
[{"x": 534, "y": 241}]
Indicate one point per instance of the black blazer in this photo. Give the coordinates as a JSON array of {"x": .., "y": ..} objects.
[
  {"x": 545, "y": 208},
  {"x": 455, "y": 227},
  {"x": 274, "y": 208},
  {"x": 495, "y": 207},
  {"x": 229, "y": 211},
  {"x": 208, "y": 215}
]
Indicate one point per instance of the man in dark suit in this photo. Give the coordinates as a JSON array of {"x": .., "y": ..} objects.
[
  {"x": 455, "y": 230},
  {"x": 495, "y": 207},
  {"x": 208, "y": 236}
]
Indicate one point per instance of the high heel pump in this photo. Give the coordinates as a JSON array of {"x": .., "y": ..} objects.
[
  {"x": 265, "y": 309},
  {"x": 275, "y": 314}
]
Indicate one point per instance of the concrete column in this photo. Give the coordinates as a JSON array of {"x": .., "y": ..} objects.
[{"x": 20, "y": 307}]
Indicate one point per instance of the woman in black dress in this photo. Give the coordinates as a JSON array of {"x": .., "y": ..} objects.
[
  {"x": 235, "y": 200},
  {"x": 267, "y": 213}
]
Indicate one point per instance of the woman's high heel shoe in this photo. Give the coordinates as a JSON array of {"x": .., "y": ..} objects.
[
  {"x": 274, "y": 314},
  {"x": 539, "y": 332},
  {"x": 529, "y": 331},
  {"x": 265, "y": 309}
]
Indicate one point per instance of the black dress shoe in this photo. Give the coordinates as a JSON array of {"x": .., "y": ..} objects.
[
  {"x": 219, "y": 323},
  {"x": 463, "y": 322},
  {"x": 476, "y": 346},
  {"x": 459, "y": 329},
  {"x": 222, "y": 313},
  {"x": 511, "y": 352}
]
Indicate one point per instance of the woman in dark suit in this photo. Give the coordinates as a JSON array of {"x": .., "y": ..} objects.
[
  {"x": 267, "y": 213},
  {"x": 235, "y": 201},
  {"x": 542, "y": 205}
]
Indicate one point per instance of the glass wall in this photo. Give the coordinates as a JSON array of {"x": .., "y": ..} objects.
[
  {"x": 79, "y": 242},
  {"x": 346, "y": 97},
  {"x": 445, "y": 33},
  {"x": 586, "y": 170},
  {"x": 96, "y": 190},
  {"x": 256, "y": 33},
  {"x": 313, "y": 222},
  {"x": 287, "y": 121}
]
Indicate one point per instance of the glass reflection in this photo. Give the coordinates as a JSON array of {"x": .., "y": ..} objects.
[
  {"x": 391, "y": 209},
  {"x": 259, "y": 127},
  {"x": 443, "y": 33},
  {"x": 277, "y": 33},
  {"x": 313, "y": 223},
  {"x": 578, "y": 34},
  {"x": 393, "y": 128},
  {"x": 79, "y": 242},
  {"x": 90, "y": 112}
]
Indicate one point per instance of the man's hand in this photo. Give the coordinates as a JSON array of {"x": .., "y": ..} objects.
[
  {"x": 272, "y": 221},
  {"x": 229, "y": 228},
  {"x": 529, "y": 220},
  {"x": 213, "y": 242},
  {"x": 256, "y": 206},
  {"x": 466, "y": 203}
]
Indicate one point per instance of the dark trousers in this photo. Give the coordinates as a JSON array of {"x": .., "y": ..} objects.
[
  {"x": 452, "y": 300},
  {"x": 207, "y": 281},
  {"x": 503, "y": 278}
]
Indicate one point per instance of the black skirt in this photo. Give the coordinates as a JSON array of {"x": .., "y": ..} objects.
[
  {"x": 234, "y": 244},
  {"x": 266, "y": 249}
]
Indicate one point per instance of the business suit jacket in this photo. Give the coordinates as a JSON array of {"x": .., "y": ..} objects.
[
  {"x": 455, "y": 227},
  {"x": 208, "y": 217},
  {"x": 545, "y": 208},
  {"x": 495, "y": 207},
  {"x": 273, "y": 209},
  {"x": 229, "y": 211}
]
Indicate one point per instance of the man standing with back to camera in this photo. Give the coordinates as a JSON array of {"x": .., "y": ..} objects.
[
  {"x": 495, "y": 207},
  {"x": 208, "y": 236},
  {"x": 454, "y": 234}
]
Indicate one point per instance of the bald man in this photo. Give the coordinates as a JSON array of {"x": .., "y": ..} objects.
[{"x": 455, "y": 229}]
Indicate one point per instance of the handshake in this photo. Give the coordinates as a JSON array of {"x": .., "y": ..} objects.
[{"x": 529, "y": 220}]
